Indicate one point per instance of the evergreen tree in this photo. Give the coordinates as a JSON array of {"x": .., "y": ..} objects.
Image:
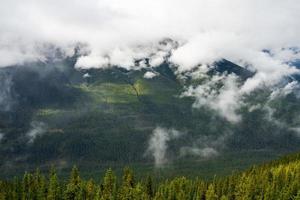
[
  {"x": 223, "y": 197},
  {"x": 211, "y": 194},
  {"x": 109, "y": 185},
  {"x": 73, "y": 190},
  {"x": 126, "y": 190},
  {"x": 53, "y": 187},
  {"x": 90, "y": 190},
  {"x": 149, "y": 186},
  {"x": 277, "y": 180},
  {"x": 39, "y": 186},
  {"x": 27, "y": 187},
  {"x": 297, "y": 197}
]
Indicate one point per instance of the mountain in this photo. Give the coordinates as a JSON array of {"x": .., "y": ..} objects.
[{"x": 53, "y": 114}]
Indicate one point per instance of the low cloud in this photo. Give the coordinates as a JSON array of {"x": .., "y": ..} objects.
[
  {"x": 206, "y": 146},
  {"x": 158, "y": 144},
  {"x": 150, "y": 75},
  {"x": 205, "y": 152},
  {"x": 278, "y": 93},
  {"x": 224, "y": 100},
  {"x": 37, "y": 129},
  {"x": 291, "y": 87}
]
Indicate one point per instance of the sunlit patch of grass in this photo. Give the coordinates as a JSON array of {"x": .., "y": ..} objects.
[{"x": 115, "y": 93}]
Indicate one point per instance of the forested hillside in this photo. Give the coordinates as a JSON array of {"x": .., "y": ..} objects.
[
  {"x": 279, "y": 179},
  {"x": 190, "y": 123}
]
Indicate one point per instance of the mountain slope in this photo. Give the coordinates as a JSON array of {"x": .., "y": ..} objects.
[{"x": 63, "y": 116}]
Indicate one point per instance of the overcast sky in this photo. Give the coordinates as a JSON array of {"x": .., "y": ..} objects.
[{"x": 207, "y": 29}]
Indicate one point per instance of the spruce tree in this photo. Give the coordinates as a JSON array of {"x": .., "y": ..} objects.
[
  {"x": 53, "y": 187},
  {"x": 109, "y": 185},
  {"x": 149, "y": 186},
  {"x": 73, "y": 190},
  {"x": 210, "y": 193}
]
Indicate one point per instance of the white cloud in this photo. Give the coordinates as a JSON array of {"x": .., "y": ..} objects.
[
  {"x": 37, "y": 129},
  {"x": 158, "y": 144},
  {"x": 122, "y": 32},
  {"x": 150, "y": 75},
  {"x": 224, "y": 100},
  {"x": 285, "y": 90},
  {"x": 206, "y": 29}
]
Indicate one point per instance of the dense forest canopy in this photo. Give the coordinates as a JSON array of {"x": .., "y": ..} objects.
[{"x": 279, "y": 179}]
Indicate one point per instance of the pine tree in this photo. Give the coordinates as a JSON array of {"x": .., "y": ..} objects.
[
  {"x": 139, "y": 193},
  {"x": 149, "y": 186},
  {"x": 90, "y": 190},
  {"x": 16, "y": 189},
  {"x": 223, "y": 197},
  {"x": 210, "y": 193},
  {"x": 39, "y": 186},
  {"x": 126, "y": 190},
  {"x": 73, "y": 190},
  {"x": 297, "y": 197},
  {"x": 53, "y": 188},
  {"x": 272, "y": 181},
  {"x": 27, "y": 187},
  {"x": 128, "y": 178},
  {"x": 109, "y": 185}
]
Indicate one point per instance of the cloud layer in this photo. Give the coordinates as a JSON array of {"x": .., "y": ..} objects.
[
  {"x": 260, "y": 34},
  {"x": 118, "y": 32}
]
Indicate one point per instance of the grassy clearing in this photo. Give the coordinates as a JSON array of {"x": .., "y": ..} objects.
[{"x": 114, "y": 93}]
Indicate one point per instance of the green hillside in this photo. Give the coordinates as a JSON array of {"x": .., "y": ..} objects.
[{"x": 102, "y": 118}]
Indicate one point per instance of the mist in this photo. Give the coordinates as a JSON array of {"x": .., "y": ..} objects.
[
  {"x": 158, "y": 144},
  {"x": 207, "y": 146},
  {"x": 37, "y": 129}
]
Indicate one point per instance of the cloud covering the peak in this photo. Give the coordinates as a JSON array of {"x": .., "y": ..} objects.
[
  {"x": 260, "y": 34},
  {"x": 117, "y": 32}
]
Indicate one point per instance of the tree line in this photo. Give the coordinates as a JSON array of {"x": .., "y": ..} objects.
[{"x": 275, "y": 180}]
